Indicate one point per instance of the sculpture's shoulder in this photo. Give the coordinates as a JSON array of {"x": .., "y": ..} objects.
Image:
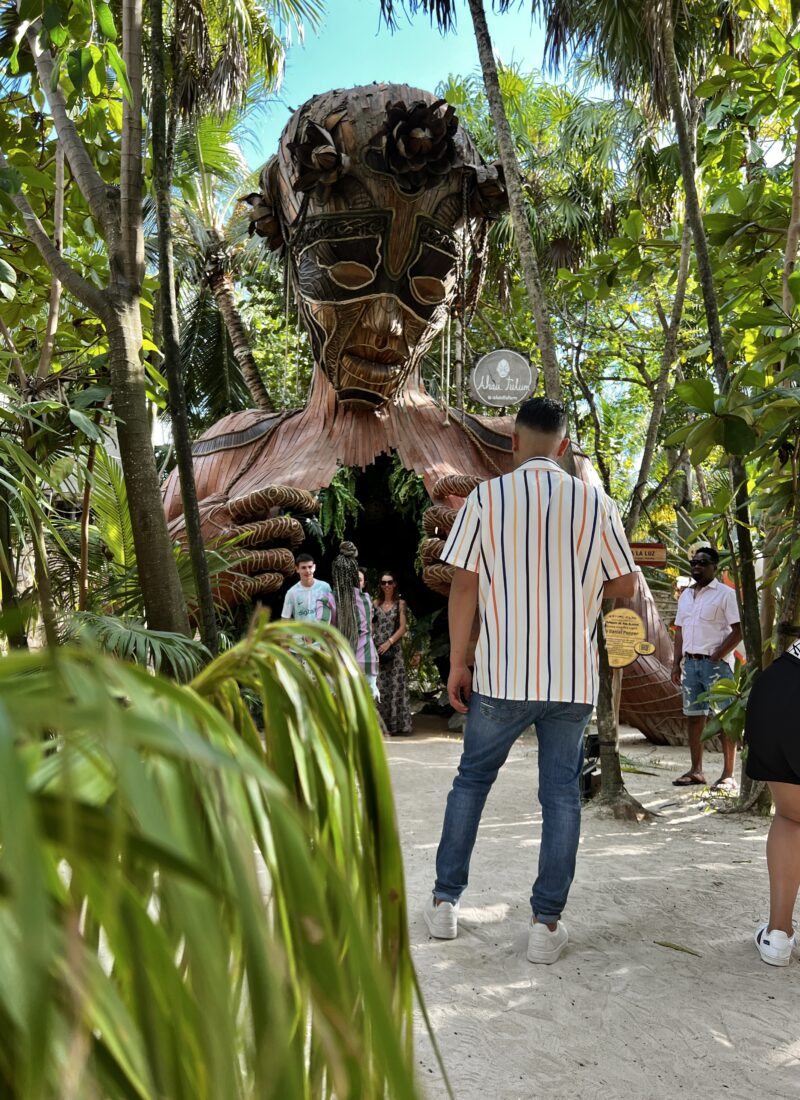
[{"x": 236, "y": 430}]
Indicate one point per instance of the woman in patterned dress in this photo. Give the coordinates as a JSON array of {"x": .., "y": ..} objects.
[{"x": 388, "y": 627}]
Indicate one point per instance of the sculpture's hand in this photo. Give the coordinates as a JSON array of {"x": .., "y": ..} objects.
[
  {"x": 265, "y": 539},
  {"x": 438, "y": 522}
]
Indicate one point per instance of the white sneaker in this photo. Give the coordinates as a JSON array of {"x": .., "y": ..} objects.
[
  {"x": 441, "y": 919},
  {"x": 545, "y": 946},
  {"x": 774, "y": 947}
]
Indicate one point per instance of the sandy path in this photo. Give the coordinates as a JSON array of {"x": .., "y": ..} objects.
[{"x": 617, "y": 1016}]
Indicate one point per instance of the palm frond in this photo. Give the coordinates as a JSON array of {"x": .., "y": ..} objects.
[
  {"x": 214, "y": 382},
  {"x": 187, "y": 909},
  {"x": 110, "y": 509},
  {"x": 130, "y": 640}
]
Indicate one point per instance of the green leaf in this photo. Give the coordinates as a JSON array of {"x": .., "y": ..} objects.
[
  {"x": 105, "y": 21},
  {"x": 8, "y": 281},
  {"x": 118, "y": 65},
  {"x": 79, "y": 64},
  {"x": 703, "y": 438},
  {"x": 793, "y": 283},
  {"x": 699, "y": 393},
  {"x": 737, "y": 199},
  {"x": 633, "y": 225},
  {"x": 53, "y": 16},
  {"x": 84, "y": 424},
  {"x": 738, "y": 438}
]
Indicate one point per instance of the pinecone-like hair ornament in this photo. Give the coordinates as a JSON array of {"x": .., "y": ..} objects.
[
  {"x": 263, "y": 220},
  {"x": 417, "y": 142},
  {"x": 319, "y": 163},
  {"x": 490, "y": 196}
]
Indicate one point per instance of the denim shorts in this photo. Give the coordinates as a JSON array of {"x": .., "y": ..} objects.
[{"x": 700, "y": 676}]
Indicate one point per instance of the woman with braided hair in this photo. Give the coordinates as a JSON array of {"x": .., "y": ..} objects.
[{"x": 354, "y": 610}]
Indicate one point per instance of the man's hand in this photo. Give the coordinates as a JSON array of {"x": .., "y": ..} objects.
[
  {"x": 676, "y": 675},
  {"x": 459, "y": 687}
]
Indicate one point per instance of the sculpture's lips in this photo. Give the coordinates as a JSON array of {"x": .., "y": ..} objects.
[{"x": 372, "y": 357}]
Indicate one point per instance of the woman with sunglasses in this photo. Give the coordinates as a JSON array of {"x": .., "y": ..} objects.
[{"x": 388, "y": 627}]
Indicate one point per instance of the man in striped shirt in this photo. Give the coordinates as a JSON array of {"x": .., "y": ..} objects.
[{"x": 536, "y": 551}]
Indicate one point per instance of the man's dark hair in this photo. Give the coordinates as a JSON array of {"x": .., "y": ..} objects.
[
  {"x": 709, "y": 551},
  {"x": 542, "y": 414},
  {"x": 302, "y": 558}
]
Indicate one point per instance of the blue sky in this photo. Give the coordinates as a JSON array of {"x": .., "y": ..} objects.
[{"x": 353, "y": 47}]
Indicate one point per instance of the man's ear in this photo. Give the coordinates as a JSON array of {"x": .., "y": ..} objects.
[
  {"x": 514, "y": 441},
  {"x": 562, "y": 446}
]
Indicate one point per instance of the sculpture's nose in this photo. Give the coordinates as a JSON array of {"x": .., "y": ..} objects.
[{"x": 384, "y": 319}]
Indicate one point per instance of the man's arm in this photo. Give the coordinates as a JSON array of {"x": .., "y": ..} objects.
[
  {"x": 677, "y": 656},
  {"x": 461, "y": 610},
  {"x": 728, "y": 643},
  {"x": 621, "y": 588}
]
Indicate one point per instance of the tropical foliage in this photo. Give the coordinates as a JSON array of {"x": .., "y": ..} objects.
[{"x": 190, "y": 906}]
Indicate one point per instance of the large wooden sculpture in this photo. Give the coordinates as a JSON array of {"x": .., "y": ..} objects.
[{"x": 379, "y": 202}]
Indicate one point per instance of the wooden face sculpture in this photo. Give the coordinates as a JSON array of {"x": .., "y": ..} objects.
[{"x": 380, "y": 200}]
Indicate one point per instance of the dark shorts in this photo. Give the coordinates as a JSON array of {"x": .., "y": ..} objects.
[{"x": 772, "y": 724}]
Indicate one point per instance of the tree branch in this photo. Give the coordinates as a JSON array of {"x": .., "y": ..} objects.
[
  {"x": 88, "y": 179},
  {"x": 15, "y": 359},
  {"x": 83, "y": 290}
]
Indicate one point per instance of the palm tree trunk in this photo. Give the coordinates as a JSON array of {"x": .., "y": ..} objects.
[
  {"x": 748, "y": 596},
  {"x": 751, "y": 627},
  {"x": 693, "y": 212},
  {"x": 158, "y": 575},
  {"x": 660, "y": 395},
  {"x": 516, "y": 201},
  {"x": 222, "y": 288},
  {"x": 163, "y": 156}
]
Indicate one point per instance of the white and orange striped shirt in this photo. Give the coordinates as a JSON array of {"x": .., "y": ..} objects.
[{"x": 542, "y": 543}]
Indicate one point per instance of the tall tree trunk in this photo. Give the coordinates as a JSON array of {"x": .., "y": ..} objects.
[
  {"x": 660, "y": 396},
  {"x": 119, "y": 215},
  {"x": 693, "y": 212},
  {"x": 163, "y": 157},
  {"x": 516, "y": 201},
  {"x": 48, "y": 345},
  {"x": 222, "y": 288},
  {"x": 158, "y": 573},
  {"x": 613, "y": 794},
  {"x": 748, "y": 596}
]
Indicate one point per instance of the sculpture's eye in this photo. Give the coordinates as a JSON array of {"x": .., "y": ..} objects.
[
  {"x": 350, "y": 275},
  {"x": 428, "y": 290}
]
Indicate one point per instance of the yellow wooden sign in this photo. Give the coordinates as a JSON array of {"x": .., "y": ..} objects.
[{"x": 625, "y": 637}]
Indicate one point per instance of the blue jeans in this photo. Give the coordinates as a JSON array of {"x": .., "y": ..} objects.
[{"x": 493, "y": 725}]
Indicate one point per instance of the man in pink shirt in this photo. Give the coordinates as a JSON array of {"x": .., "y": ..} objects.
[{"x": 707, "y": 630}]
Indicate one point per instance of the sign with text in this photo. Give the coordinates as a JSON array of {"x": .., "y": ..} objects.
[
  {"x": 502, "y": 378},
  {"x": 625, "y": 637},
  {"x": 653, "y": 554}
]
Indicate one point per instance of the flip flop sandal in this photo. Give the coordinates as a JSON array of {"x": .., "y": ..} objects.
[
  {"x": 727, "y": 784},
  {"x": 688, "y": 780}
]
